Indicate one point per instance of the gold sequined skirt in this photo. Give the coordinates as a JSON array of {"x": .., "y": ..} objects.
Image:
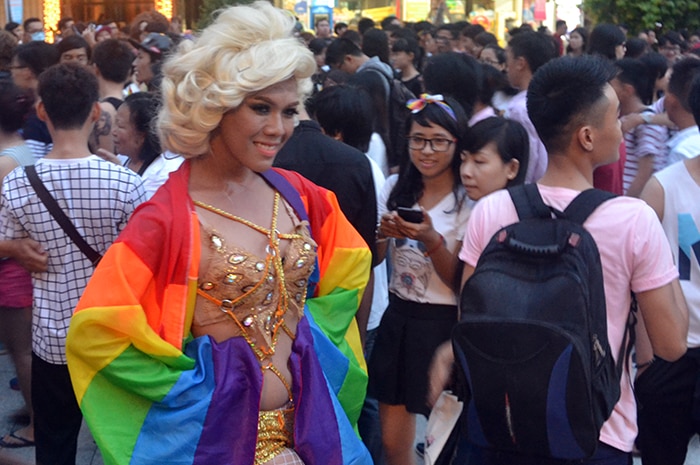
[{"x": 275, "y": 433}]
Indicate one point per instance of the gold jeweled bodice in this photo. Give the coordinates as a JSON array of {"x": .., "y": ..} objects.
[{"x": 249, "y": 287}]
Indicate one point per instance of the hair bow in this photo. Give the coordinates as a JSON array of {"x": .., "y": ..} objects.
[{"x": 419, "y": 104}]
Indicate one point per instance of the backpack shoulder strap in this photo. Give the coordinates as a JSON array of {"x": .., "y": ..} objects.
[
  {"x": 585, "y": 203},
  {"x": 528, "y": 202}
]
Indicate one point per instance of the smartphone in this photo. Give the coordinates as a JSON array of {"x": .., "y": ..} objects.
[{"x": 409, "y": 214}]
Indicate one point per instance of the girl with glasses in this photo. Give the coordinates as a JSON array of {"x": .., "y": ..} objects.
[{"x": 423, "y": 245}]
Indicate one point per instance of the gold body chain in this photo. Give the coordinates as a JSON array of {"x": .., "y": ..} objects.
[{"x": 275, "y": 427}]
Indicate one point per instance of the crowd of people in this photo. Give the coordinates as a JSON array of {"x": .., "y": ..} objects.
[{"x": 248, "y": 245}]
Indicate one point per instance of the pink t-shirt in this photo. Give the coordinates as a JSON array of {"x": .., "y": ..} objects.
[{"x": 634, "y": 255}]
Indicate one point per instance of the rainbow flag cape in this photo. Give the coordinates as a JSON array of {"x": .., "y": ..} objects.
[{"x": 152, "y": 394}]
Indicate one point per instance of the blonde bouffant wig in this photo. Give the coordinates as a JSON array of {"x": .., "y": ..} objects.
[{"x": 246, "y": 49}]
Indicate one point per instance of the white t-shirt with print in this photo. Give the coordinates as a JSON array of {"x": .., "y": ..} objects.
[{"x": 413, "y": 276}]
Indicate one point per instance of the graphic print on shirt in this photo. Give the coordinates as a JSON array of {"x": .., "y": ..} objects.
[
  {"x": 688, "y": 243},
  {"x": 412, "y": 267}
]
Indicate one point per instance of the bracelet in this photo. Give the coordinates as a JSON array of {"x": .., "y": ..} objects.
[
  {"x": 378, "y": 233},
  {"x": 646, "y": 116},
  {"x": 428, "y": 253}
]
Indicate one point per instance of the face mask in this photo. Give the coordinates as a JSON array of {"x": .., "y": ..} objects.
[{"x": 39, "y": 36}]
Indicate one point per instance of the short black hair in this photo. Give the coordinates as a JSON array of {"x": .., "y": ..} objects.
[
  {"x": 409, "y": 45},
  {"x": 449, "y": 73},
  {"x": 72, "y": 43},
  {"x": 339, "y": 49},
  {"x": 454, "y": 32},
  {"x": 498, "y": 51},
  {"x": 337, "y": 76},
  {"x": 657, "y": 65},
  {"x": 486, "y": 38},
  {"x": 636, "y": 47},
  {"x": 16, "y": 105},
  {"x": 562, "y": 96},
  {"x": 510, "y": 138},
  {"x": 604, "y": 39},
  {"x": 68, "y": 92},
  {"x": 353, "y": 36},
  {"x": 347, "y": 111},
  {"x": 492, "y": 80},
  {"x": 472, "y": 30},
  {"x": 536, "y": 49},
  {"x": 424, "y": 26},
  {"x": 634, "y": 72},
  {"x": 318, "y": 45},
  {"x": 62, "y": 23},
  {"x": 36, "y": 55},
  {"x": 694, "y": 99},
  {"x": 338, "y": 26},
  {"x": 364, "y": 24},
  {"x": 375, "y": 43},
  {"x": 684, "y": 73},
  {"x": 114, "y": 59},
  {"x": 404, "y": 33},
  {"x": 388, "y": 22},
  {"x": 29, "y": 21},
  {"x": 673, "y": 38}
]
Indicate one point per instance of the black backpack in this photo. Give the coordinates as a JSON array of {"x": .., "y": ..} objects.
[
  {"x": 532, "y": 348},
  {"x": 398, "y": 115}
]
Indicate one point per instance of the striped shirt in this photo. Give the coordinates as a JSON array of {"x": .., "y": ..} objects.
[
  {"x": 98, "y": 197},
  {"x": 646, "y": 140}
]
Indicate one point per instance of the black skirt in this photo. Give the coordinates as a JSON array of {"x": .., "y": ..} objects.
[{"x": 406, "y": 341}]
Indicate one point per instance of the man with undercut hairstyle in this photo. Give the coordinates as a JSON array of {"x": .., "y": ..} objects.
[{"x": 575, "y": 112}]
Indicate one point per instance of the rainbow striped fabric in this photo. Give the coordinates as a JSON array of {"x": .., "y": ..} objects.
[{"x": 153, "y": 395}]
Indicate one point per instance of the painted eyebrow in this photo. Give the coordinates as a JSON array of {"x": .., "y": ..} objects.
[{"x": 263, "y": 99}]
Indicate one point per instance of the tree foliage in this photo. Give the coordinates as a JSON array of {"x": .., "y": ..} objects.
[{"x": 673, "y": 15}]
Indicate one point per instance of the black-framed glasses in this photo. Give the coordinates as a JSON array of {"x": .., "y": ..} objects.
[{"x": 438, "y": 144}]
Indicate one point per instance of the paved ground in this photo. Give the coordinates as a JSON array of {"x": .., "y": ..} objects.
[
  {"x": 88, "y": 454},
  {"x": 11, "y": 402}
]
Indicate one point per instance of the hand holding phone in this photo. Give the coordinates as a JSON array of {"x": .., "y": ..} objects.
[{"x": 409, "y": 214}]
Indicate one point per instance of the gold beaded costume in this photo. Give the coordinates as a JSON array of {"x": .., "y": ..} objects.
[{"x": 257, "y": 294}]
